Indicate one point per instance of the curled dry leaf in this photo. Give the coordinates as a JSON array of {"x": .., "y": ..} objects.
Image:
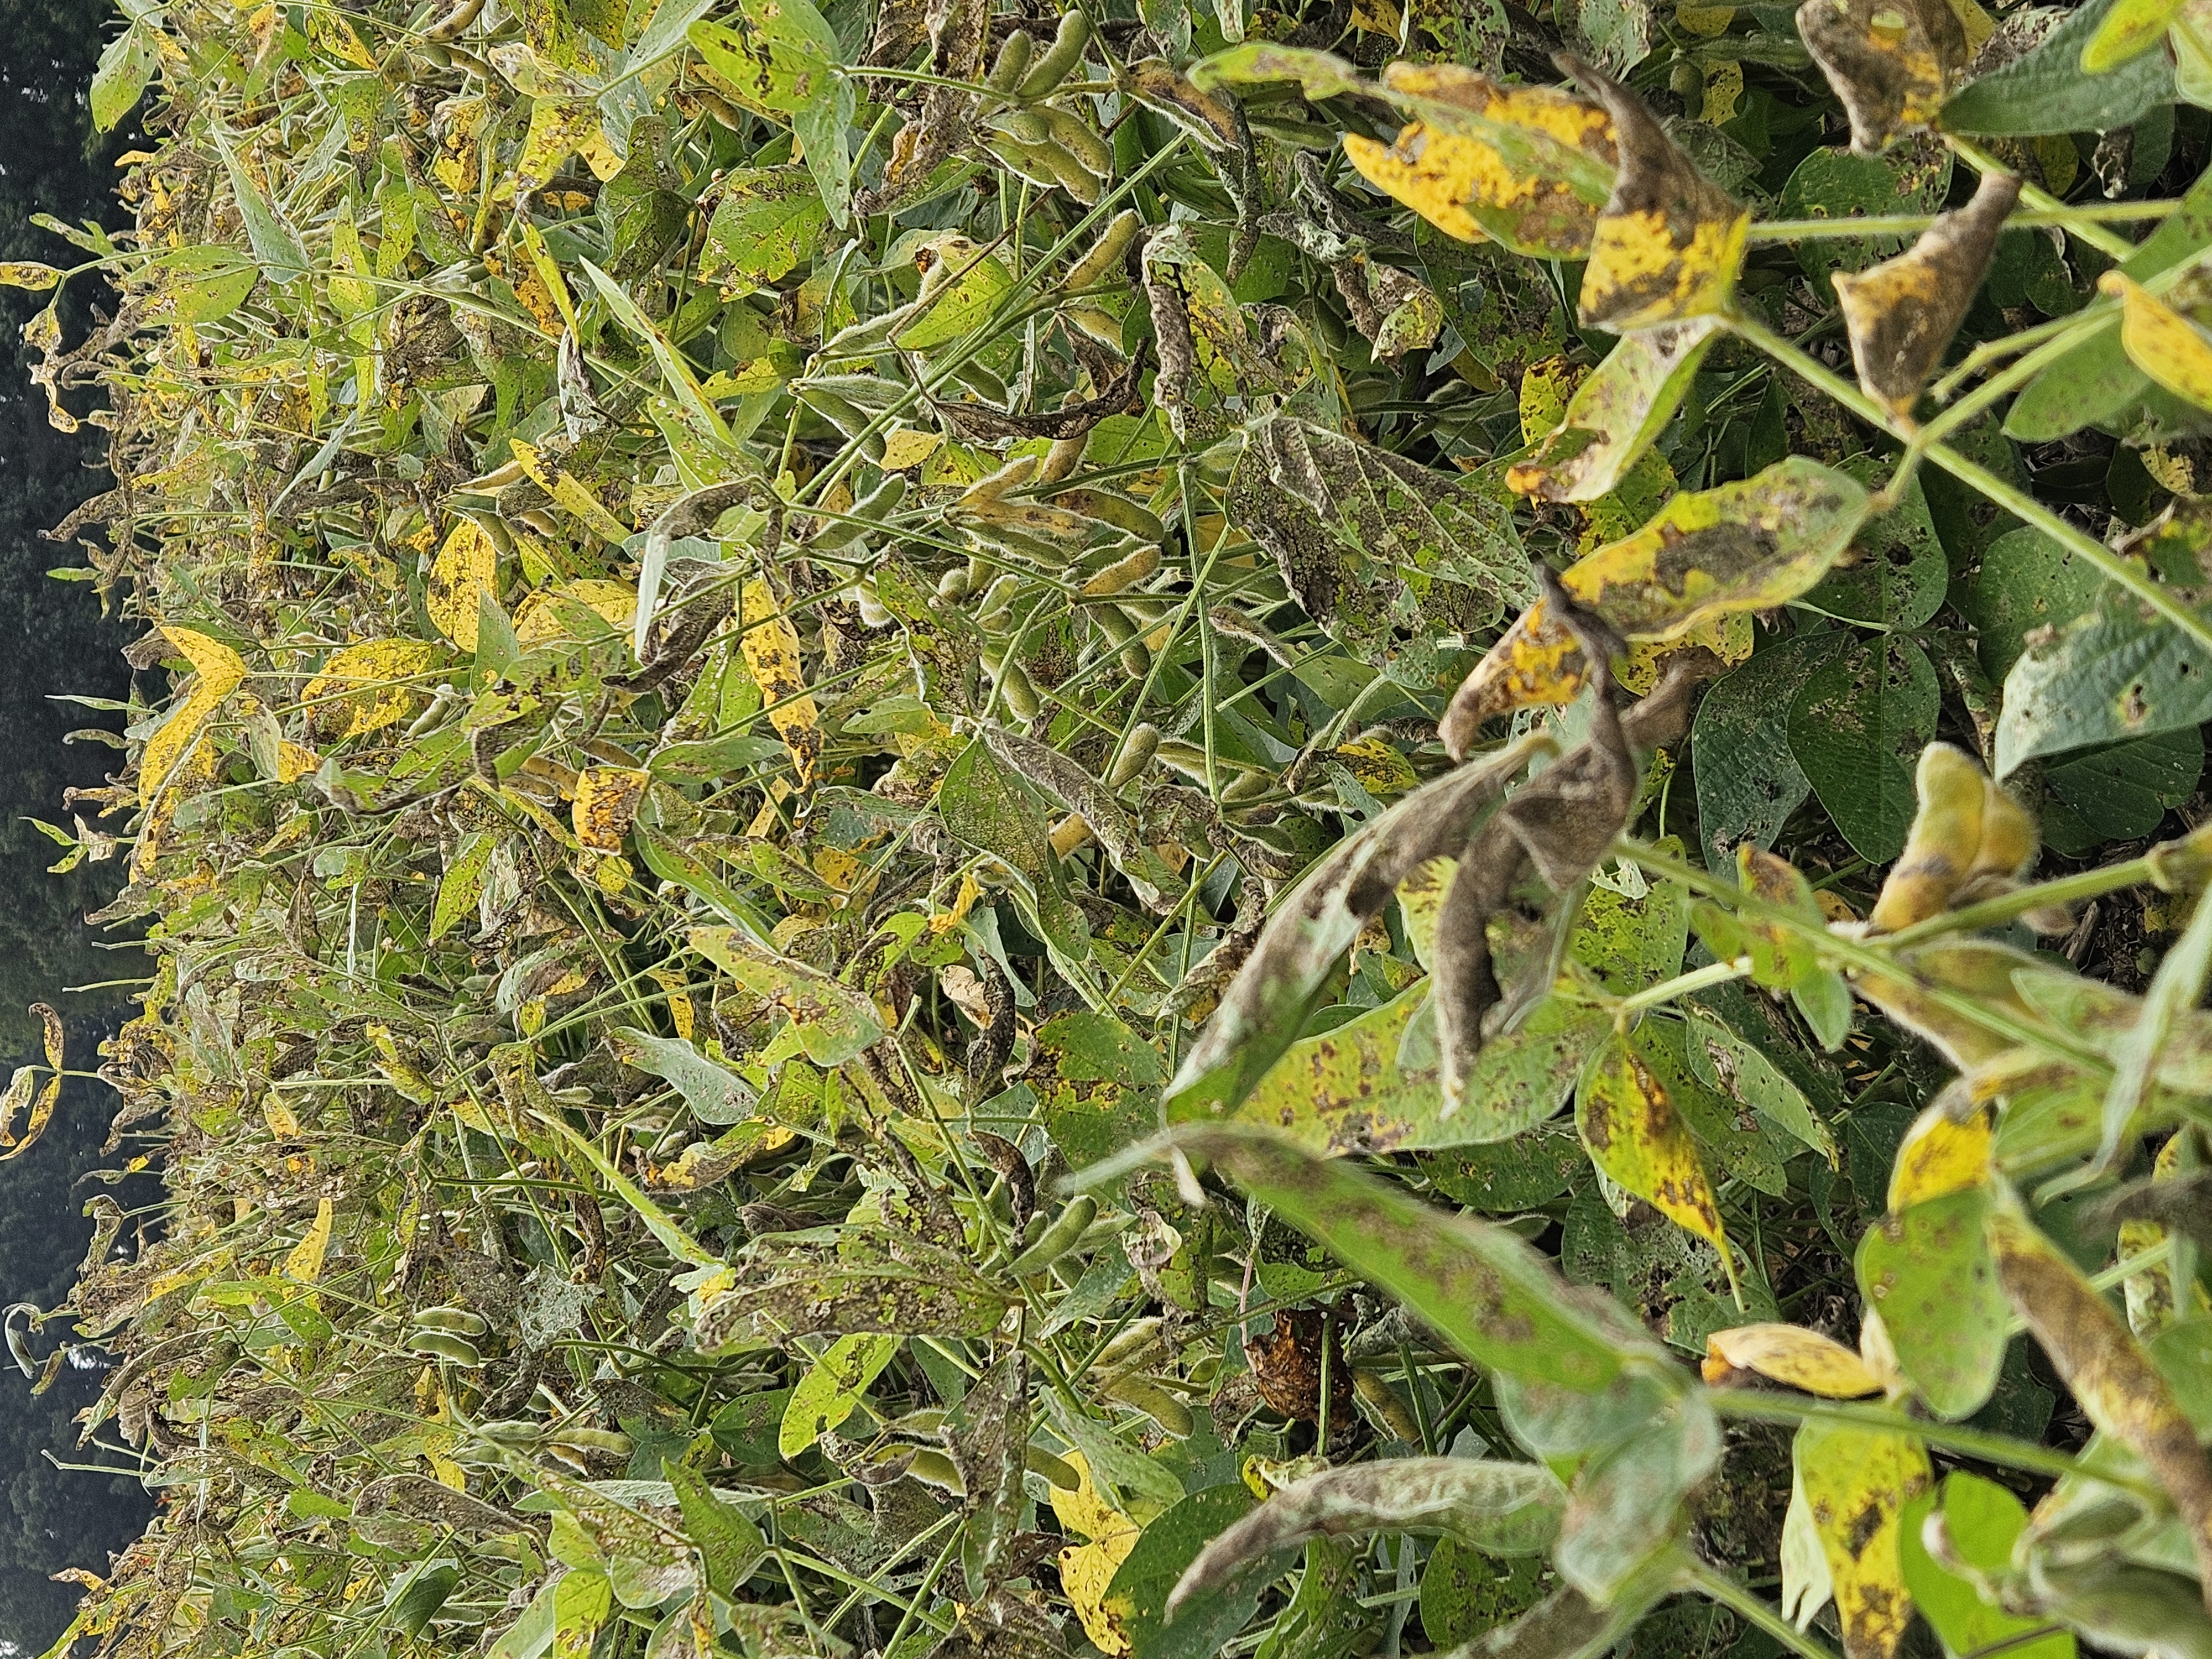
[
  {"x": 1792, "y": 1355},
  {"x": 1968, "y": 836},
  {"x": 1892, "y": 61},
  {"x": 1529, "y": 167},
  {"x": 1902, "y": 312},
  {"x": 1669, "y": 243},
  {"x": 1747, "y": 546},
  {"x": 1500, "y": 1508}
]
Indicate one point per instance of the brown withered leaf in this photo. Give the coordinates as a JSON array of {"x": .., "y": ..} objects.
[
  {"x": 1286, "y": 1365},
  {"x": 1669, "y": 242},
  {"x": 2118, "y": 1385},
  {"x": 1892, "y": 61},
  {"x": 1902, "y": 312}
]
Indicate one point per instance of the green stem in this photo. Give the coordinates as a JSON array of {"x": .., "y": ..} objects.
[
  {"x": 1912, "y": 224},
  {"x": 1999, "y": 1448},
  {"x": 2080, "y": 225},
  {"x": 1713, "y": 973},
  {"x": 1716, "y": 1586},
  {"x": 2010, "y": 497},
  {"x": 2064, "y": 891}
]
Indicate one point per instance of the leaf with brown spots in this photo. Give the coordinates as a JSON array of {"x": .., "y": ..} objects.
[
  {"x": 1901, "y": 313},
  {"x": 1615, "y": 414},
  {"x": 1667, "y": 245},
  {"x": 1892, "y": 61},
  {"x": 1855, "y": 1482},
  {"x": 1489, "y": 1295},
  {"x": 1746, "y": 546},
  {"x": 770, "y": 645},
  {"x": 464, "y": 571},
  {"x": 1633, "y": 1132},
  {"x": 2118, "y": 1386},
  {"x": 605, "y": 807},
  {"x": 1791, "y": 1355}
]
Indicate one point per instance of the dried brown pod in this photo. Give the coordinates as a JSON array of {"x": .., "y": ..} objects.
[
  {"x": 1892, "y": 61},
  {"x": 1287, "y": 1365},
  {"x": 1902, "y": 312}
]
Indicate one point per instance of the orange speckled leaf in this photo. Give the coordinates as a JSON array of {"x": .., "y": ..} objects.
[{"x": 606, "y": 804}]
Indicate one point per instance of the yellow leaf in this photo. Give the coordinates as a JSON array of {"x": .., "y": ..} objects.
[
  {"x": 905, "y": 447},
  {"x": 27, "y": 273},
  {"x": 605, "y": 804},
  {"x": 305, "y": 1263},
  {"x": 465, "y": 570},
  {"x": 1455, "y": 172},
  {"x": 2162, "y": 343},
  {"x": 2129, "y": 29},
  {"x": 770, "y": 645},
  {"x": 1855, "y": 1482},
  {"x": 1085, "y": 1570},
  {"x": 548, "y": 615},
  {"x": 1667, "y": 245},
  {"x": 16, "y": 1096},
  {"x": 830, "y": 1390},
  {"x": 50, "y": 1024},
  {"x": 218, "y": 671},
  {"x": 1630, "y": 1130},
  {"x": 1939, "y": 1156},
  {"x": 283, "y": 1123},
  {"x": 1790, "y": 1354},
  {"x": 362, "y": 688},
  {"x": 1705, "y": 21}
]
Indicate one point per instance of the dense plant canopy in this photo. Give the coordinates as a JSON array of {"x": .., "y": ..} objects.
[{"x": 985, "y": 832}]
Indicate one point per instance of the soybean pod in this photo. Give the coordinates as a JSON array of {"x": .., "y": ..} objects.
[{"x": 1058, "y": 1239}]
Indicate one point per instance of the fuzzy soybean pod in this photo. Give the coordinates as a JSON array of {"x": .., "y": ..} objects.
[
  {"x": 444, "y": 1345},
  {"x": 1121, "y": 633},
  {"x": 1074, "y": 134},
  {"x": 1136, "y": 754},
  {"x": 872, "y": 508},
  {"x": 1059, "y": 59},
  {"x": 849, "y": 417},
  {"x": 1124, "y": 573},
  {"x": 1057, "y": 1239},
  {"x": 459, "y": 1320},
  {"x": 1020, "y": 695},
  {"x": 997, "y": 599},
  {"x": 1013, "y": 61},
  {"x": 1105, "y": 255}
]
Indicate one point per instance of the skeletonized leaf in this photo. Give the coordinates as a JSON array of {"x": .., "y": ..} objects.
[
  {"x": 1902, "y": 312},
  {"x": 1669, "y": 243},
  {"x": 464, "y": 571},
  {"x": 770, "y": 645},
  {"x": 1484, "y": 1292},
  {"x": 1793, "y": 1355},
  {"x": 1500, "y": 1508},
  {"x": 1632, "y": 1132},
  {"x": 1855, "y": 1482},
  {"x": 1615, "y": 414},
  {"x": 2118, "y": 1385},
  {"x": 1744, "y": 546},
  {"x": 1890, "y": 61},
  {"x": 1527, "y": 166}
]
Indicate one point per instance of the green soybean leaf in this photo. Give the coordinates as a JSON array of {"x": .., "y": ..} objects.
[
  {"x": 1927, "y": 1272},
  {"x": 1899, "y": 576},
  {"x": 1858, "y": 722},
  {"x": 2027, "y": 582},
  {"x": 1625, "y": 1508},
  {"x": 768, "y": 221},
  {"x": 2049, "y": 91},
  {"x": 714, "y": 1093},
  {"x": 1981, "y": 1522},
  {"x": 126, "y": 65},
  {"x": 830, "y": 1390},
  {"x": 834, "y": 1022},
  {"x": 463, "y": 880},
  {"x": 2115, "y": 673},
  {"x": 2119, "y": 792},
  {"x": 1748, "y": 781}
]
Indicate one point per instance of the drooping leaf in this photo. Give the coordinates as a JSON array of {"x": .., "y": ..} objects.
[
  {"x": 1892, "y": 65},
  {"x": 1857, "y": 1483},
  {"x": 770, "y": 645},
  {"x": 1615, "y": 414},
  {"x": 1790, "y": 1354},
  {"x": 833, "y": 1022},
  {"x": 1634, "y": 1134}
]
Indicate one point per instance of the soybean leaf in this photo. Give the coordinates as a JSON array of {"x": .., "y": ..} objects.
[
  {"x": 2115, "y": 673},
  {"x": 1927, "y": 1272},
  {"x": 2027, "y": 582},
  {"x": 714, "y": 1093},
  {"x": 1855, "y": 723},
  {"x": 2048, "y": 90},
  {"x": 2119, "y": 792},
  {"x": 1748, "y": 782},
  {"x": 1857, "y": 1483},
  {"x": 1898, "y": 575}
]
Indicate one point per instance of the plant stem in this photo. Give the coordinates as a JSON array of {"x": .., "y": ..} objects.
[
  {"x": 2065, "y": 889},
  {"x": 2081, "y": 226},
  {"x": 1713, "y": 973},
  {"x": 1716, "y": 1586},
  {"x": 1912, "y": 224},
  {"x": 1999, "y": 1448},
  {"x": 2015, "y": 500}
]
